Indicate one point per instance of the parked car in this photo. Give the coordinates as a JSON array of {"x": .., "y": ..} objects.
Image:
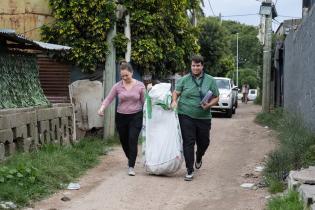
[
  {"x": 239, "y": 95},
  {"x": 228, "y": 96},
  {"x": 235, "y": 90},
  {"x": 252, "y": 94}
]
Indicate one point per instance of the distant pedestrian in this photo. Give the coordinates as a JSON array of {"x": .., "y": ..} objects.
[
  {"x": 245, "y": 90},
  {"x": 194, "y": 117},
  {"x": 129, "y": 113}
]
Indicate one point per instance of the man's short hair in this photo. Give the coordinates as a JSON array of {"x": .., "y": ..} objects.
[{"x": 197, "y": 59}]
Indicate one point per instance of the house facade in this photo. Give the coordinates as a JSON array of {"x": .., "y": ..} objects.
[{"x": 25, "y": 16}]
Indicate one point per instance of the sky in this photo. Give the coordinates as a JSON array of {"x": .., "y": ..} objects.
[{"x": 291, "y": 8}]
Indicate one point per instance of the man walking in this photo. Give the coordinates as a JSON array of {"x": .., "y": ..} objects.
[{"x": 194, "y": 117}]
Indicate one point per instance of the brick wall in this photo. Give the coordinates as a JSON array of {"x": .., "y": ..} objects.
[{"x": 27, "y": 129}]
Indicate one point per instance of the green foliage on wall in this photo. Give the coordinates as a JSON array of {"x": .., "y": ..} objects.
[
  {"x": 19, "y": 82},
  {"x": 82, "y": 25},
  {"x": 120, "y": 43}
]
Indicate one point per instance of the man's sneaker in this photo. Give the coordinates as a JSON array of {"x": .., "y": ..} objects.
[
  {"x": 198, "y": 165},
  {"x": 189, "y": 176},
  {"x": 131, "y": 171}
]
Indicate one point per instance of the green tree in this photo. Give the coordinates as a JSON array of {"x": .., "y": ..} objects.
[
  {"x": 214, "y": 47},
  {"x": 83, "y": 25},
  {"x": 162, "y": 35},
  {"x": 246, "y": 75},
  {"x": 250, "y": 50},
  {"x": 163, "y": 38}
]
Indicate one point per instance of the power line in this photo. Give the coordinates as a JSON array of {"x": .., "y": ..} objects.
[
  {"x": 239, "y": 15},
  {"x": 288, "y": 16},
  {"x": 211, "y": 8},
  {"x": 276, "y": 21}
]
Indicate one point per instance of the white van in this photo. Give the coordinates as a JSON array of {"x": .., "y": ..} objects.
[{"x": 252, "y": 94}]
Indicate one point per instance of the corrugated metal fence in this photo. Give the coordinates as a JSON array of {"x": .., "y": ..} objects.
[{"x": 54, "y": 78}]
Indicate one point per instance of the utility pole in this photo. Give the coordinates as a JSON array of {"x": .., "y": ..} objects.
[
  {"x": 267, "y": 60},
  {"x": 237, "y": 59},
  {"x": 109, "y": 79}
]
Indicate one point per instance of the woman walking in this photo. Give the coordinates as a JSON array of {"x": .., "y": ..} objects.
[{"x": 129, "y": 113}]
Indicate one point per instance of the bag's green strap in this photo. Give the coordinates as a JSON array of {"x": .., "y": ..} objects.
[
  {"x": 165, "y": 104},
  {"x": 149, "y": 105}
]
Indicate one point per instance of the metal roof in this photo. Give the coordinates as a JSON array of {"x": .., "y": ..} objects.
[{"x": 11, "y": 35}]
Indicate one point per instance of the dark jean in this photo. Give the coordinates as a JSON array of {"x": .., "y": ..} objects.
[
  {"x": 129, "y": 127},
  {"x": 194, "y": 131}
]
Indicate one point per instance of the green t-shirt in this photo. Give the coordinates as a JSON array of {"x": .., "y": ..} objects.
[{"x": 189, "y": 101}]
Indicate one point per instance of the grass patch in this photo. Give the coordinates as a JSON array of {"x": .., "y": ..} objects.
[
  {"x": 296, "y": 147},
  {"x": 290, "y": 201},
  {"x": 32, "y": 176}
]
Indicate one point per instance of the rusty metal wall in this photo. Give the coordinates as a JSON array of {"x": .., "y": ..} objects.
[
  {"x": 54, "y": 77},
  {"x": 25, "y": 16}
]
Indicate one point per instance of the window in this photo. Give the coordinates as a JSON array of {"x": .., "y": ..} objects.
[{"x": 223, "y": 83}]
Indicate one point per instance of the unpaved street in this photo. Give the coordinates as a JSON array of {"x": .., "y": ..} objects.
[{"x": 237, "y": 146}]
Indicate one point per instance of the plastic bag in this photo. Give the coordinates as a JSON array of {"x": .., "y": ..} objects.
[{"x": 162, "y": 145}]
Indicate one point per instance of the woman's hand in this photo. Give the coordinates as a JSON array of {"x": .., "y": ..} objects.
[
  {"x": 174, "y": 105},
  {"x": 100, "y": 112}
]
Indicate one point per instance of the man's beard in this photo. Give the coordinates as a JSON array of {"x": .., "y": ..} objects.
[{"x": 197, "y": 75}]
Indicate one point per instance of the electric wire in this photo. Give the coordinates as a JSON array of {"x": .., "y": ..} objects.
[{"x": 211, "y": 8}]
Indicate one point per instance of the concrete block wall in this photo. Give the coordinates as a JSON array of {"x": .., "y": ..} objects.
[
  {"x": 299, "y": 72},
  {"x": 28, "y": 128}
]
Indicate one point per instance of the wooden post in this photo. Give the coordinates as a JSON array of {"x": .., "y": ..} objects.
[{"x": 109, "y": 79}]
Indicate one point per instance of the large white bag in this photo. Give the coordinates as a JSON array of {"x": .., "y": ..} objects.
[{"x": 162, "y": 145}]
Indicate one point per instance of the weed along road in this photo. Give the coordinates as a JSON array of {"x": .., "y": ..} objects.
[{"x": 237, "y": 147}]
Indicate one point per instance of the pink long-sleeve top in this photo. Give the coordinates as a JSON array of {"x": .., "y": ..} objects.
[{"x": 129, "y": 101}]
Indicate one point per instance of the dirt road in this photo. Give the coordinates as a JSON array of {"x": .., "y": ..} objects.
[{"x": 237, "y": 146}]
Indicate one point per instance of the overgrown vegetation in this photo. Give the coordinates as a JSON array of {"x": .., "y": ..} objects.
[
  {"x": 296, "y": 147},
  {"x": 290, "y": 201},
  {"x": 83, "y": 25},
  {"x": 218, "y": 42},
  {"x": 214, "y": 47},
  {"x": 250, "y": 53},
  {"x": 26, "y": 177},
  {"x": 19, "y": 83},
  {"x": 163, "y": 37}
]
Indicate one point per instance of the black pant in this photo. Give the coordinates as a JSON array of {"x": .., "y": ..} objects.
[
  {"x": 194, "y": 131},
  {"x": 129, "y": 127}
]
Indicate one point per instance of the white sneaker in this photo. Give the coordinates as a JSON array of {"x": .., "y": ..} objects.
[
  {"x": 131, "y": 171},
  {"x": 189, "y": 176}
]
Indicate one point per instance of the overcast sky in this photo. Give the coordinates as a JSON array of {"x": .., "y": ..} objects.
[{"x": 248, "y": 7}]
